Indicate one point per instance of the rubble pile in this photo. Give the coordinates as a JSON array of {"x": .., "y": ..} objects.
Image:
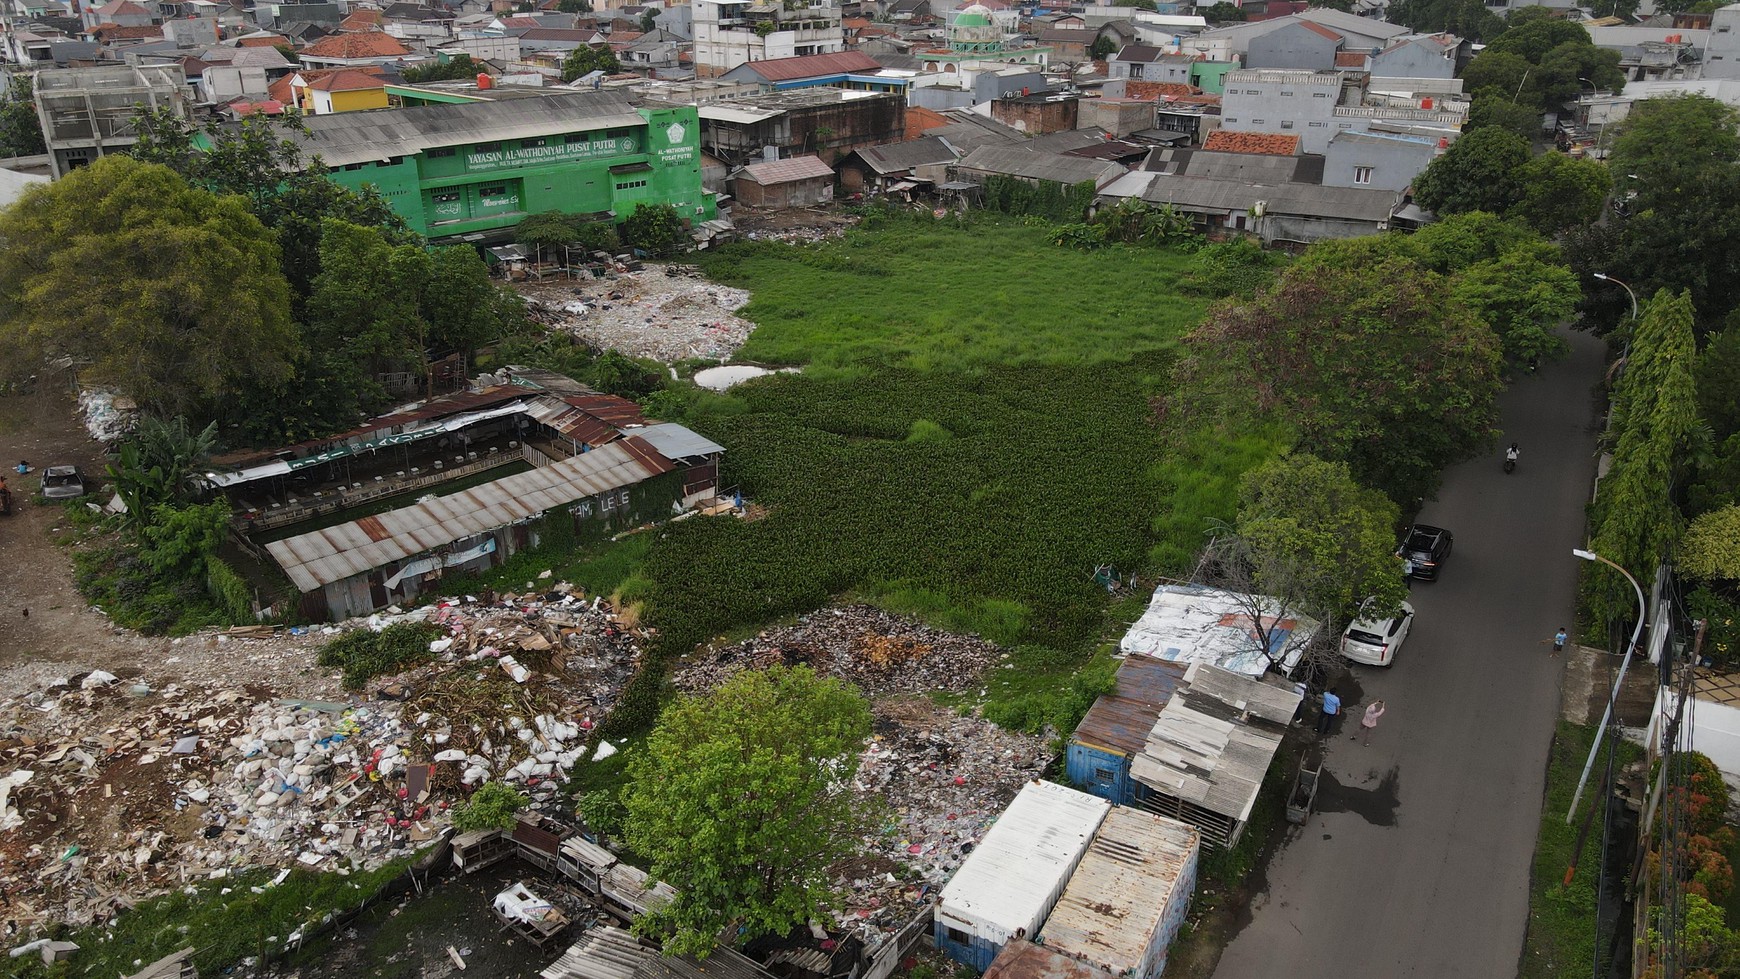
[
  {"x": 645, "y": 314},
  {"x": 880, "y": 652},
  {"x": 109, "y": 418},
  {"x": 944, "y": 778},
  {"x": 110, "y": 790}
]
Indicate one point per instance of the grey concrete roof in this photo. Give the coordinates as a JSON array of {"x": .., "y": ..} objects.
[
  {"x": 321, "y": 557},
  {"x": 369, "y": 137},
  {"x": 1208, "y": 194},
  {"x": 1018, "y": 161}
]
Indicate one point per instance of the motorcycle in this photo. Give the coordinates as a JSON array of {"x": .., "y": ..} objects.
[{"x": 1509, "y": 465}]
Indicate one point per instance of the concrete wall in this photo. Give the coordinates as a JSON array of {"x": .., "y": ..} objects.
[
  {"x": 1393, "y": 163},
  {"x": 941, "y": 99},
  {"x": 1722, "y": 57},
  {"x": 1034, "y": 116},
  {"x": 1715, "y": 729},
  {"x": 1293, "y": 46},
  {"x": 1425, "y": 59},
  {"x": 995, "y": 85},
  {"x": 796, "y": 193},
  {"x": 1116, "y": 116}
]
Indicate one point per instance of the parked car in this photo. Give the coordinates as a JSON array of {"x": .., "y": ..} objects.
[
  {"x": 1425, "y": 550},
  {"x": 1374, "y": 641},
  {"x": 62, "y": 482}
]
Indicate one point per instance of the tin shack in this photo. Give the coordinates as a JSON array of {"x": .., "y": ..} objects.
[{"x": 1127, "y": 900}]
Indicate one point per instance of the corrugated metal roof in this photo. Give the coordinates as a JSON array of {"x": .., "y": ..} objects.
[
  {"x": 1025, "y": 960},
  {"x": 900, "y": 157},
  {"x": 676, "y": 442},
  {"x": 342, "y": 138},
  {"x": 1192, "y": 623},
  {"x": 1140, "y": 867},
  {"x": 335, "y": 553},
  {"x": 1016, "y": 161},
  {"x": 724, "y": 963},
  {"x": 814, "y": 65},
  {"x": 603, "y": 952},
  {"x": 788, "y": 171},
  {"x": 1212, "y": 745},
  {"x": 1121, "y": 720},
  {"x": 1017, "y": 871}
]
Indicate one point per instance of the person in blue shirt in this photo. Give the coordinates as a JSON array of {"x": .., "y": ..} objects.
[
  {"x": 1559, "y": 639},
  {"x": 1331, "y": 707}
]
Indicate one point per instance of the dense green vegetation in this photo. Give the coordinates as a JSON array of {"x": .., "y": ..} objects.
[
  {"x": 363, "y": 654},
  {"x": 963, "y": 449}
]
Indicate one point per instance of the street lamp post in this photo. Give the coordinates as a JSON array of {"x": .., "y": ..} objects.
[
  {"x": 1604, "y": 277},
  {"x": 1624, "y": 664}
]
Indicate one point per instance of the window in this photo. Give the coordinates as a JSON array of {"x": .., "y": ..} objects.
[
  {"x": 532, "y": 143},
  {"x": 439, "y": 152},
  {"x": 1231, "y": 119},
  {"x": 630, "y": 184},
  {"x": 1135, "y": 71},
  {"x": 1257, "y": 122},
  {"x": 486, "y": 147},
  {"x": 491, "y": 191},
  {"x": 958, "y": 936},
  {"x": 1103, "y": 776},
  {"x": 1286, "y": 94},
  {"x": 1362, "y": 175},
  {"x": 1319, "y": 125},
  {"x": 1286, "y": 124},
  {"x": 1319, "y": 95},
  {"x": 444, "y": 196}
]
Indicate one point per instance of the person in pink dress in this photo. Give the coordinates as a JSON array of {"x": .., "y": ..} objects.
[{"x": 1373, "y": 711}]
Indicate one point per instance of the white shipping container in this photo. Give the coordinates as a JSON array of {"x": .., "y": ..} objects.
[{"x": 1013, "y": 878}]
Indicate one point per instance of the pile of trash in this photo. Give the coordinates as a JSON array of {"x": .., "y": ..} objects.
[
  {"x": 879, "y": 651},
  {"x": 645, "y": 314},
  {"x": 943, "y": 778},
  {"x": 114, "y": 790},
  {"x": 109, "y": 417}
]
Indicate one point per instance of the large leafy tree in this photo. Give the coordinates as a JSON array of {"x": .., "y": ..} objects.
[
  {"x": 1367, "y": 357},
  {"x": 20, "y": 128},
  {"x": 1522, "y": 294},
  {"x": 1653, "y": 427},
  {"x": 169, "y": 293},
  {"x": 1309, "y": 541},
  {"x": 1559, "y": 193},
  {"x": 743, "y": 802},
  {"x": 1464, "y": 18},
  {"x": 1477, "y": 173},
  {"x": 585, "y": 60}
]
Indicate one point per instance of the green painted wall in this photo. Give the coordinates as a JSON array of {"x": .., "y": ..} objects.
[
  {"x": 1210, "y": 76},
  {"x": 471, "y": 188}
]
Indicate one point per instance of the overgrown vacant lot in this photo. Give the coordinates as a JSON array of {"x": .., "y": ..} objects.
[{"x": 973, "y": 436}]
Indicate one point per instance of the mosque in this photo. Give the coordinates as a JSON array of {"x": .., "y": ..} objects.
[{"x": 977, "y": 44}]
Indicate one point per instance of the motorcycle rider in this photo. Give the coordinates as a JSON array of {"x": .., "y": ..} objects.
[{"x": 1510, "y": 454}]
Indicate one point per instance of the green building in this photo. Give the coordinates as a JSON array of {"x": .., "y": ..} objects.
[{"x": 474, "y": 170}]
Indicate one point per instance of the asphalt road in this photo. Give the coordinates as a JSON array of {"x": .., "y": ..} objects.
[{"x": 1418, "y": 861}]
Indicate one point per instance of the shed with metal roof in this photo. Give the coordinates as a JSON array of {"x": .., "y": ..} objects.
[
  {"x": 365, "y": 564},
  {"x": 1127, "y": 900},
  {"x": 1115, "y": 728},
  {"x": 802, "y": 181},
  {"x": 1013, "y": 878}
]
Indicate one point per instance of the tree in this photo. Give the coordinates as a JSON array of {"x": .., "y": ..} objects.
[
  {"x": 1371, "y": 363},
  {"x": 1345, "y": 6},
  {"x": 1491, "y": 108},
  {"x": 460, "y": 66},
  {"x": 1477, "y": 173},
  {"x": 1504, "y": 72},
  {"x": 1465, "y": 18},
  {"x": 169, "y": 293},
  {"x": 176, "y": 541},
  {"x": 1523, "y": 295},
  {"x": 1103, "y": 48},
  {"x": 1719, "y": 381},
  {"x": 648, "y": 20},
  {"x": 1672, "y": 145},
  {"x": 1559, "y": 193},
  {"x": 742, "y": 800},
  {"x": 1653, "y": 424},
  {"x": 574, "y": 7},
  {"x": 1309, "y": 542},
  {"x": 163, "y": 463},
  {"x": 657, "y": 229},
  {"x": 20, "y": 128},
  {"x": 1532, "y": 38},
  {"x": 1562, "y": 72},
  {"x": 1222, "y": 12},
  {"x": 1710, "y": 550},
  {"x": 585, "y": 60},
  {"x": 492, "y": 806}
]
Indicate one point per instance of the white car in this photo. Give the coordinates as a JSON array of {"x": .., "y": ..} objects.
[{"x": 1374, "y": 642}]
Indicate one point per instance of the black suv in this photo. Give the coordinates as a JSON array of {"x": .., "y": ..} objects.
[{"x": 1425, "y": 551}]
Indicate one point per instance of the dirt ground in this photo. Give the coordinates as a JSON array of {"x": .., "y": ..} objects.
[{"x": 46, "y": 629}]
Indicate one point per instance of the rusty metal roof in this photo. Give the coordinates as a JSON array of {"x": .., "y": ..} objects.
[
  {"x": 1121, "y": 720},
  {"x": 1137, "y": 874},
  {"x": 323, "y": 556},
  {"x": 788, "y": 171},
  {"x": 1025, "y": 960}
]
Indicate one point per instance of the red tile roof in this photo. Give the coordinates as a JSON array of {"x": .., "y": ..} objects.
[
  {"x": 855, "y": 23},
  {"x": 364, "y": 44},
  {"x": 348, "y": 80},
  {"x": 118, "y": 8},
  {"x": 1268, "y": 144},
  {"x": 813, "y": 65},
  {"x": 270, "y": 107},
  {"x": 281, "y": 91},
  {"x": 524, "y": 20},
  {"x": 1316, "y": 28},
  {"x": 361, "y": 20},
  {"x": 115, "y": 32},
  {"x": 919, "y": 119},
  {"x": 1155, "y": 91},
  {"x": 1350, "y": 59}
]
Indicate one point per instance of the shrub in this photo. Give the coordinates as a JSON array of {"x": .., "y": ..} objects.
[
  {"x": 363, "y": 654},
  {"x": 657, "y": 229},
  {"x": 492, "y": 806},
  {"x": 1722, "y": 641},
  {"x": 1239, "y": 267},
  {"x": 227, "y": 588}
]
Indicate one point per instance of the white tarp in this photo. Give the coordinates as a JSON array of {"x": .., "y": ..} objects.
[
  {"x": 1196, "y": 624},
  {"x": 428, "y": 564}
]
